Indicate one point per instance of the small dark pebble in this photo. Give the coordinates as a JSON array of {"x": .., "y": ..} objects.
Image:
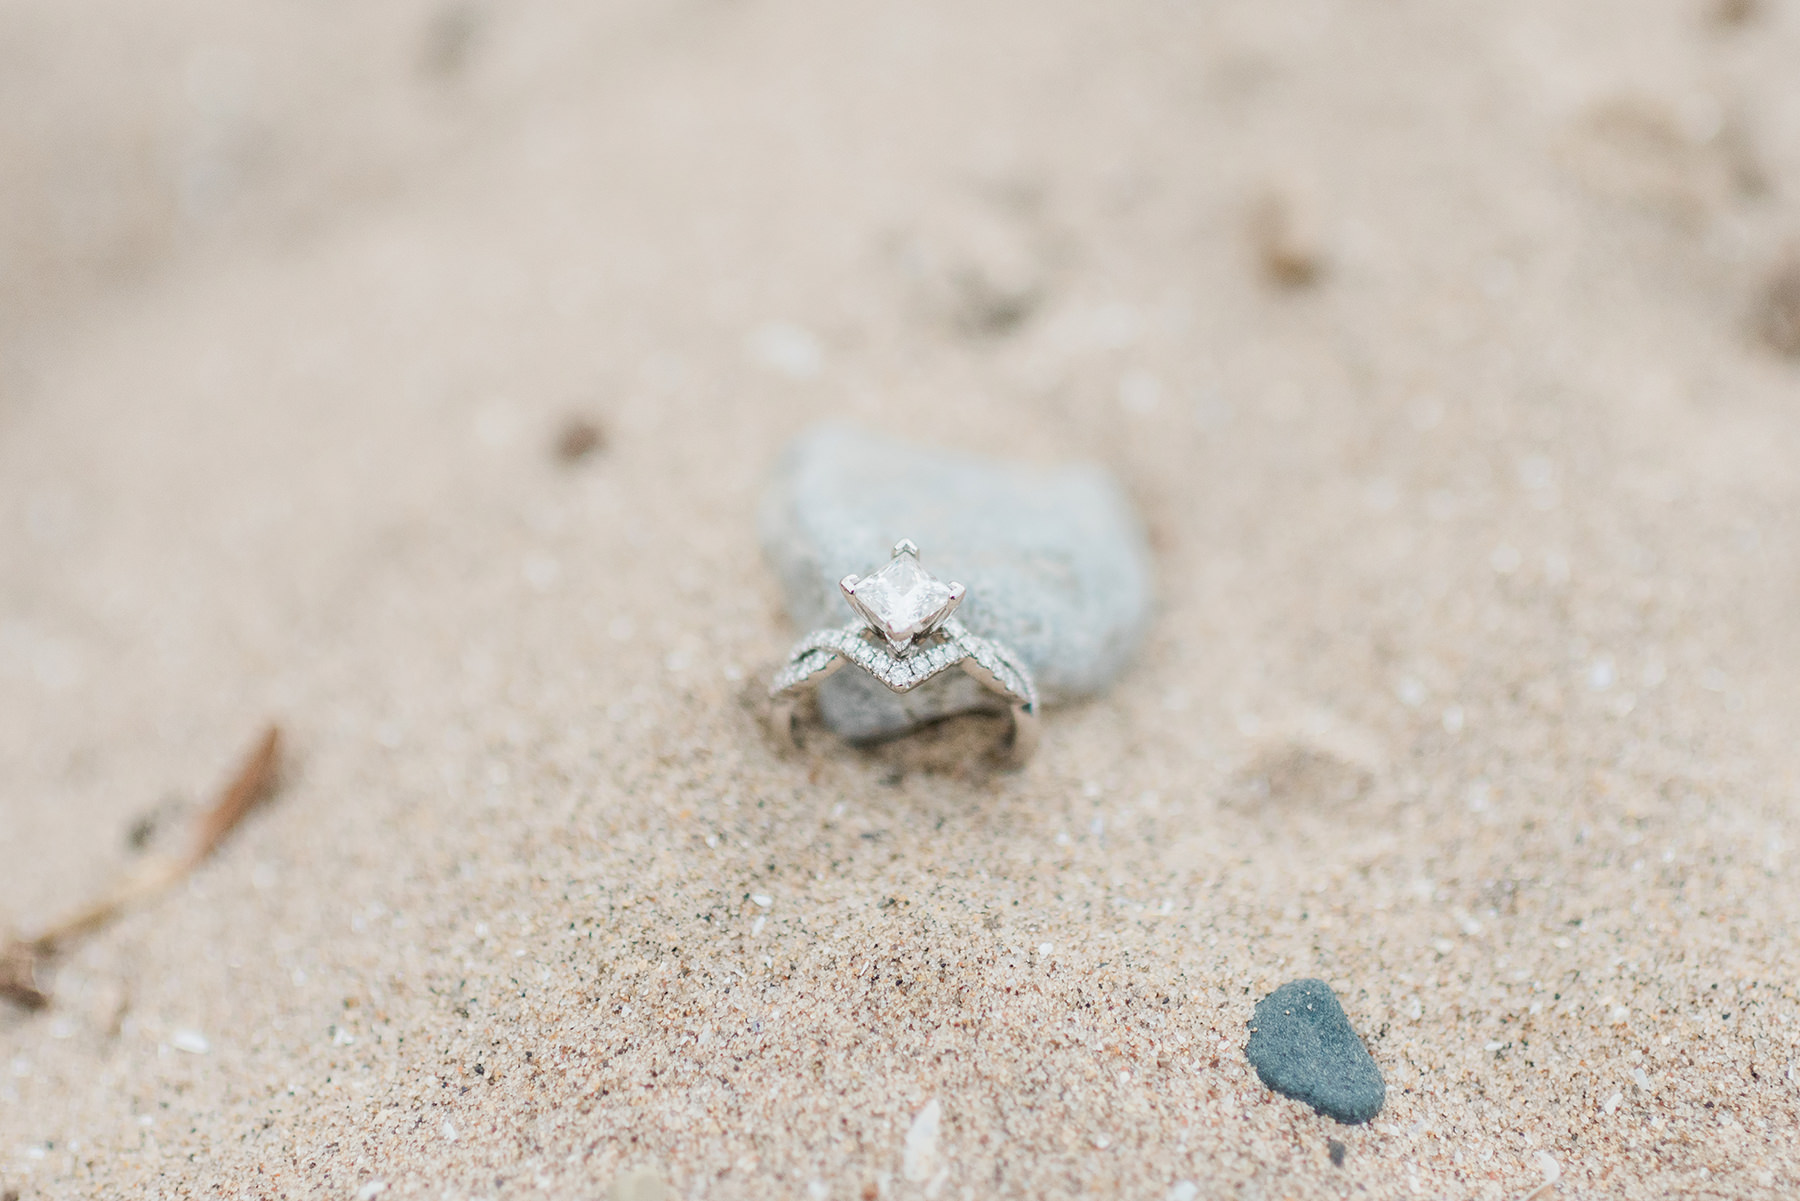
[
  {"x": 152, "y": 824},
  {"x": 1287, "y": 239},
  {"x": 450, "y": 38},
  {"x": 579, "y": 438},
  {"x": 1734, "y": 12},
  {"x": 141, "y": 832},
  {"x": 1779, "y": 318},
  {"x": 1302, "y": 1046},
  {"x": 1336, "y": 1150}
]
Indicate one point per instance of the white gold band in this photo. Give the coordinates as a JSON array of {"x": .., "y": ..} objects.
[{"x": 949, "y": 645}]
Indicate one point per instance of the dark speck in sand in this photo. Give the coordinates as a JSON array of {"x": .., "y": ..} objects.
[{"x": 579, "y": 438}]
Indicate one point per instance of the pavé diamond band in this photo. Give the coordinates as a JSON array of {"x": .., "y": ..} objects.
[{"x": 905, "y": 634}]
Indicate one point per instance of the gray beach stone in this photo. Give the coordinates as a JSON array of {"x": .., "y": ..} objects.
[
  {"x": 1054, "y": 559},
  {"x": 1302, "y": 1046}
]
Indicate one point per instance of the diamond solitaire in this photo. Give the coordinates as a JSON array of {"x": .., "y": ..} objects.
[
  {"x": 905, "y": 636},
  {"x": 902, "y": 601}
]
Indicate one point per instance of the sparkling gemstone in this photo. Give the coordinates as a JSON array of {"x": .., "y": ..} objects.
[{"x": 903, "y": 600}]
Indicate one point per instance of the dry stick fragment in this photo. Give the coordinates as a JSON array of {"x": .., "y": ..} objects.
[
  {"x": 18, "y": 976},
  {"x": 20, "y": 958},
  {"x": 252, "y": 781}
]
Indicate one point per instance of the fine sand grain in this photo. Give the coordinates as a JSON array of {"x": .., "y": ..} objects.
[{"x": 1433, "y": 340}]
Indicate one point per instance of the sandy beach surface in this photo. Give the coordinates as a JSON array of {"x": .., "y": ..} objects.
[{"x": 1438, "y": 342}]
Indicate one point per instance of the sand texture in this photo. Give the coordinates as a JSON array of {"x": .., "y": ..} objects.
[{"x": 1438, "y": 343}]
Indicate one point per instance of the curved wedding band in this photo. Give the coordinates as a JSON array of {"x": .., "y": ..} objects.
[{"x": 904, "y": 636}]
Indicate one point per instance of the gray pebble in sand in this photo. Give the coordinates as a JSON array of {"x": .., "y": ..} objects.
[
  {"x": 1054, "y": 559},
  {"x": 1302, "y": 1046}
]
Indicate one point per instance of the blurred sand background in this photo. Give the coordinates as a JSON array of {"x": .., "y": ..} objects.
[{"x": 1472, "y": 689}]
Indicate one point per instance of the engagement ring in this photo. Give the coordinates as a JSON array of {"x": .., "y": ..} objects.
[{"x": 905, "y": 635}]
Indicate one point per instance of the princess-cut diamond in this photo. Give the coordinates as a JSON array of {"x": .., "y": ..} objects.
[{"x": 902, "y": 602}]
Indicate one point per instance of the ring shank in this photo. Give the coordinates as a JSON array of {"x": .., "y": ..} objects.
[
  {"x": 1022, "y": 743},
  {"x": 993, "y": 666}
]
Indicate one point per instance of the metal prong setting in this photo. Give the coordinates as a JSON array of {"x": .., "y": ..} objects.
[
  {"x": 942, "y": 615},
  {"x": 848, "y": 585},
  {"x": 919, "y": 624}
]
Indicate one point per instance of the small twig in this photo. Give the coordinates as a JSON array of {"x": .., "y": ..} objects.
[
  {"x": 21, "y": 957},
  {"x": 254, "y": 779}
]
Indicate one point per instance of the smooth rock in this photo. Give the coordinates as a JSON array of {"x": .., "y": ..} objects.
[
  {"x": 1054, "y": 559},
  {"x": 1302, "y": 1046}
]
